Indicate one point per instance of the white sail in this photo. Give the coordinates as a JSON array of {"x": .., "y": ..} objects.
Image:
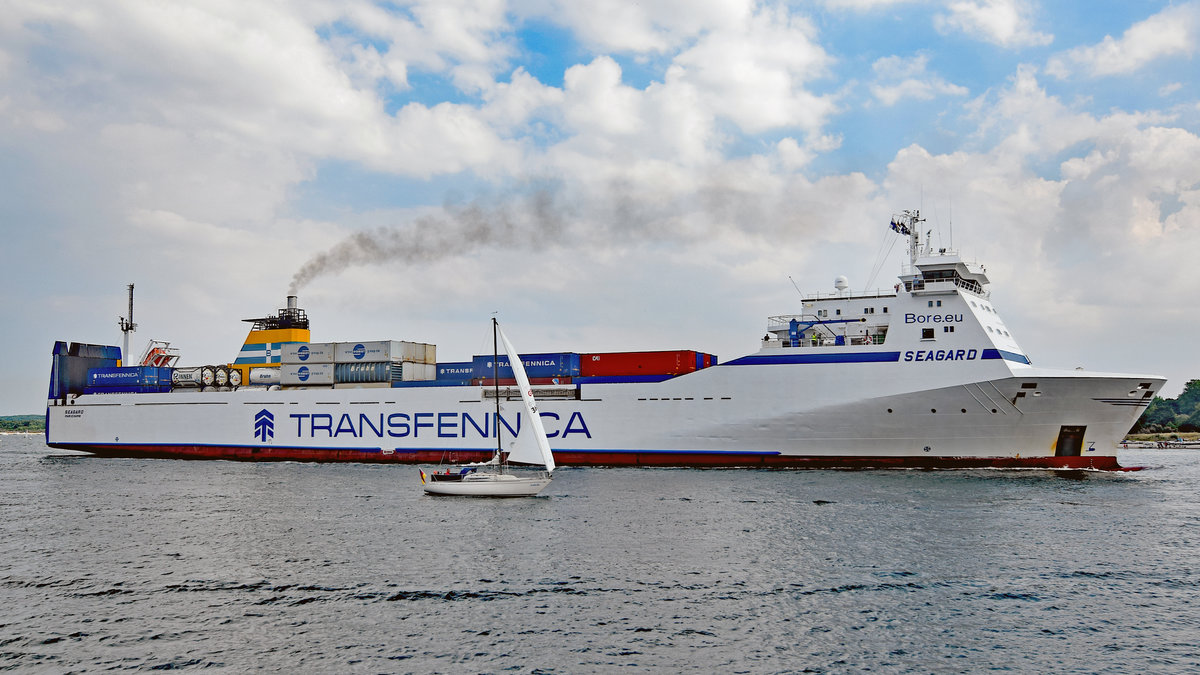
[{"x": 523, "y": 452}]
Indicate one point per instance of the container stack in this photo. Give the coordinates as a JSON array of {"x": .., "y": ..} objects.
[
  {"x": 380, "y": 363},
  {"x": 384, "y": 363},
  {"x": 302, "y": 364}
]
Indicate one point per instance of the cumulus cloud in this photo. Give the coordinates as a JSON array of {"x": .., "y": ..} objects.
[
  {"x": 641, "y": 27},
  {"x": 754, "y": 72},
  {"x": 1171, "y": 32},
  {"x": 898, "y": 77},
  {"x": 1003, "y": 22},
  {"x": 1126, "y": 193}
]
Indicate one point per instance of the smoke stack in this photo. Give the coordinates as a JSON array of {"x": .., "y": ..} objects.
[{"x": 291, "y": 302}]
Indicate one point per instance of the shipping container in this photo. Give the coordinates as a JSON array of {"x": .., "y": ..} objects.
[
  {"x": 308, "y": 352},
  {"x": 458, "y": 370},
  {"x": 675, "y": 362},
  {"x": 306, "y": 374},
  {"x": 377, "y": 371},
  {"x": 559, "y": 364},
  {"x": 419, "y": 372},
  {"x": 383, "y": 350},
  {"x": 129, "y": 376}
]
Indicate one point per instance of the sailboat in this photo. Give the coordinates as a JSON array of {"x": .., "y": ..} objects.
[{"x": 493, "y": 478}]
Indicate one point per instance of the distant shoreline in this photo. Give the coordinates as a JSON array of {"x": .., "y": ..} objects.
[{"x": 23, "y": 423}]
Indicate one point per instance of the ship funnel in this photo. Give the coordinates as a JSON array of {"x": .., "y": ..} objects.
[{"x": 291, "y": 302}]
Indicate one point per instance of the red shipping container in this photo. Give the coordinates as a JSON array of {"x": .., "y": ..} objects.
[{"x": 676, "y": 362}]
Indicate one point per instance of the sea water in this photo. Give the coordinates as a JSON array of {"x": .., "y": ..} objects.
[{"x": 126, "y": 564}]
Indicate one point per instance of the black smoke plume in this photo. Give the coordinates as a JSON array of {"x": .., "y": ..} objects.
[{"x": 532, "y": 223}]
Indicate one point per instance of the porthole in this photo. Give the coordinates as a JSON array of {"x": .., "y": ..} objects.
[
  {"x": 993, "y": 411},
  {"x": 964, "y": 410},
  {"x": 889, "y": 411},
  {"x": 933, "y": 410}
]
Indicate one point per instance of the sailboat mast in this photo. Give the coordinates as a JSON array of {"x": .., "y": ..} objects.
[{"x": 496, "y": 383}]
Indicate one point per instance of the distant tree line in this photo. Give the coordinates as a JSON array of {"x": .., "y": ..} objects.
[
  {"x": 26, "y": 423},
  {"x": 1172, "y": 414}
]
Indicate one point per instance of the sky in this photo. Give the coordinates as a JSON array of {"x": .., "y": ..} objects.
[{"x": 601, "y": 176}]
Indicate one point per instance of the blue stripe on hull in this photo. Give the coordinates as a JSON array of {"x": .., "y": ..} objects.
[
  {"x": 860, "y": 357},
  {"x": 1002, "y": 354}
]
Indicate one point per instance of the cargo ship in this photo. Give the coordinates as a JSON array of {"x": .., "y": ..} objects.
[{"x": 925, "y": 374}]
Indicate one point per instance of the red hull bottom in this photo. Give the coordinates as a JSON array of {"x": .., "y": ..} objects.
[{"x": 608, "y": 458}]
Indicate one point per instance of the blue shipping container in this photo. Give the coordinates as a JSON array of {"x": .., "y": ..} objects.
[
  {"x": 129, "y": 376},
  {"x": 457, "y": 371},
  {"x": 560, "y": 364},
  {"x": 358, "y": 373}
]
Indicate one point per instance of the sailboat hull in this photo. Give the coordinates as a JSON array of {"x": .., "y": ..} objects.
[{"x": 490, "y": 485}]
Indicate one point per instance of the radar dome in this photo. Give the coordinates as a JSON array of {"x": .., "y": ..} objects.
[{"x": 841, "y": 283}]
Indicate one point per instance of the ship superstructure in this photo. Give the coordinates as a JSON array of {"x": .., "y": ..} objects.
[{"x": 924, "y": 375}]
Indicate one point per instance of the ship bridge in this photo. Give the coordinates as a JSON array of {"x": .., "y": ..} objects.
[{"x": 943, "y": 272}]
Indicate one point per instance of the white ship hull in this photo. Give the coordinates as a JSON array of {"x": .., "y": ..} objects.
[{"x": 866, "y": 414}]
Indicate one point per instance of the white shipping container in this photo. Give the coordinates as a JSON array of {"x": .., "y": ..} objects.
[
  {"x": 431, "y": 356},
  {"x": 308, "y": 352},
  {"x": 412, "y": 352},
  {"x": 306, "y": 374},
  {"x": 417, "y": 372},
  {"x": 382, "y": 350},
  {"x": 361, "y": 352}
]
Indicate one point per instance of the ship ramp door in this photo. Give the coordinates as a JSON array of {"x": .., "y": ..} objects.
[{"x": 1070, "y": 441}]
